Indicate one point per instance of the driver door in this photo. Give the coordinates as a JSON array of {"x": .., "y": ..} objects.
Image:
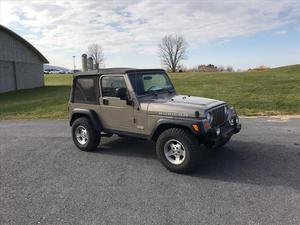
[{"x": 115, "y": 113}]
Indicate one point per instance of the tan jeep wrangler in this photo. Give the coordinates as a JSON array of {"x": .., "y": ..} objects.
[{"x": 143, "y": 103}]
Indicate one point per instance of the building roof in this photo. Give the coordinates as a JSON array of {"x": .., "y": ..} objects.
[
  {"x": 26, "y": 43},
  {"x": 117, "y": 70}
]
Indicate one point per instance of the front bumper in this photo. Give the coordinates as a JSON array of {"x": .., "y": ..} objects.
[{"x": 221, "y": 134}]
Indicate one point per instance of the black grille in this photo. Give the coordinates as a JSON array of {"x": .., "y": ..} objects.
[{"x": 219, "y": 117}]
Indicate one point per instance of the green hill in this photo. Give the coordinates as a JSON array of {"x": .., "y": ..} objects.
[{"x": 295, "y": 69}]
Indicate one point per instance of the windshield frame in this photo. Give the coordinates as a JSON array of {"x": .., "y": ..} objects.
[{"x": 140, "y": 73}]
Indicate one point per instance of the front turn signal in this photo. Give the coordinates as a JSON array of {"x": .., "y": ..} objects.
[{"x": 196, "y": 128}]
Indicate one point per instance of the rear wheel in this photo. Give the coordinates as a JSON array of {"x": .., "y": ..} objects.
[
  {"x": 85, "y": 137},
  {"x": 178, "y": 150}
]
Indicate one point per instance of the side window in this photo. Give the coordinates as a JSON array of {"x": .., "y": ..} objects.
[
  {"x": 85, "y": 91},
  {"x": 109, "y": 85}
]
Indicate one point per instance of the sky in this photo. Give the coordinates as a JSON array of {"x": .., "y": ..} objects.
[{"x": 242, "y": 34}]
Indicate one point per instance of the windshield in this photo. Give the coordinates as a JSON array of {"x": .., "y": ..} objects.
[{"x": 144, "y": 83}]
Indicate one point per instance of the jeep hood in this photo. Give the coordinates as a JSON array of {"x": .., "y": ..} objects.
[{"x": 182, "y": 105}]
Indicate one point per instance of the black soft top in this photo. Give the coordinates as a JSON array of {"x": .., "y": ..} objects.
[{"x": 121, "y": 70}]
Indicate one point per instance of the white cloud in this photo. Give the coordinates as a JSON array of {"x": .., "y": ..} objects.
[
  {"x": 280, "y": 32},
  {"x": 62, "y": 28}
]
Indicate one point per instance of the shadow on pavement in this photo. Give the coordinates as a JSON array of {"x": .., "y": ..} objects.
[
  {"x": 254, "y": 163},
  {"x": 128, "y": 147},
  {"x": 240, "y": 162}
]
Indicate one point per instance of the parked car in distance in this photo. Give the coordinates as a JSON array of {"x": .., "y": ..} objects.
[
  {"x": 76, "y": 71},
  {"x": 143, "y": 103},
  {"x": 57, "y": 72}
]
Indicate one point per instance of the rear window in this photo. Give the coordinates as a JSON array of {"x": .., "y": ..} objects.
[{"x": 86, "y": 90}]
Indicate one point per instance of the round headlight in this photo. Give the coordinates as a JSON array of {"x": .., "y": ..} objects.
[
  {"x": 209, "y": 117},
  {"x": 226, "y": 110}
]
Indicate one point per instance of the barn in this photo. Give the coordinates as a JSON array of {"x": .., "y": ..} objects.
[{"x": 21, "y": 64}]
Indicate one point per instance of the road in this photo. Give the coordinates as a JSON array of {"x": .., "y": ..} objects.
[{"x": 44, "y": 179}]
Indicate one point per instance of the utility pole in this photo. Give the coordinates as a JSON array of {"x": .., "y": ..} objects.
[{"x": 74, "y": 66}]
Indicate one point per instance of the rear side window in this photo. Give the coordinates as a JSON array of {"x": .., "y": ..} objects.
[
  {"x": 86, "y": 90},
  {"x": 109, "y": 85}
]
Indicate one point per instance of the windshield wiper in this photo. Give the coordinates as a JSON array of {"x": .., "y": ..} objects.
[
  {"x": 155, "y": 92},
  {"x": 169, "y": 90},
  {"x": 149, "y": 92}
]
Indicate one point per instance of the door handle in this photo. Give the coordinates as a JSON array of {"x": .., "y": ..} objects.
[{"x": 105, "y": 101}]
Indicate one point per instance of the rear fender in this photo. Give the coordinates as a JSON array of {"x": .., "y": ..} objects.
[{"x": 88, "y": 113}]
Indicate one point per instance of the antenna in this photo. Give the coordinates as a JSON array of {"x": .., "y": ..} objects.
[{"x": 0, "y": 11}]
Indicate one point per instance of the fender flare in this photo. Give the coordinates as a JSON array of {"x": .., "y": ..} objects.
[
  {"x": 163, "y": 124},
  {"x": 89, "y": 113}
]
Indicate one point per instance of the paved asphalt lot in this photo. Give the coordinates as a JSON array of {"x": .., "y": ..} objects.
[{"x": 44, "y": 179}]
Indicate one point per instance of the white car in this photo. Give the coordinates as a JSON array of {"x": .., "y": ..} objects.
[{"x": 57, "y": 72}]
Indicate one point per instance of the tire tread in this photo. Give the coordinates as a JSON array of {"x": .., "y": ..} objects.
[
  {"x": 94, "y": 137},
  {"x": 190, "y": 142}
]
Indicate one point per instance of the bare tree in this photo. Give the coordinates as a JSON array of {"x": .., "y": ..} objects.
[
  {"x": 229, "y": 69},
  {"x": 221, "y": 68},
  {"x": 96, "y": 52},
  {"x": 172, "y": 50}
]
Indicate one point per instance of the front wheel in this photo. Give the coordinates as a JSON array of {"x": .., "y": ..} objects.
[
  {"x": 178, "y": 150},
  {"x": 85, "y": 137}
]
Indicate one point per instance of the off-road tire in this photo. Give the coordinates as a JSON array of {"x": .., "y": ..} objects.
[
  {"x": 93, "y": 139},
  {"x": 190, "y": 144}
]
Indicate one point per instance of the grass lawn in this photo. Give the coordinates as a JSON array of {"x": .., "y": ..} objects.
[
  {"x": 271, "y": 92},
  {"x": 49, "y": 102}
]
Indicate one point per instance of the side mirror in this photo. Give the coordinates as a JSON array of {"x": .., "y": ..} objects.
[{"x": 121, "y": 93}]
